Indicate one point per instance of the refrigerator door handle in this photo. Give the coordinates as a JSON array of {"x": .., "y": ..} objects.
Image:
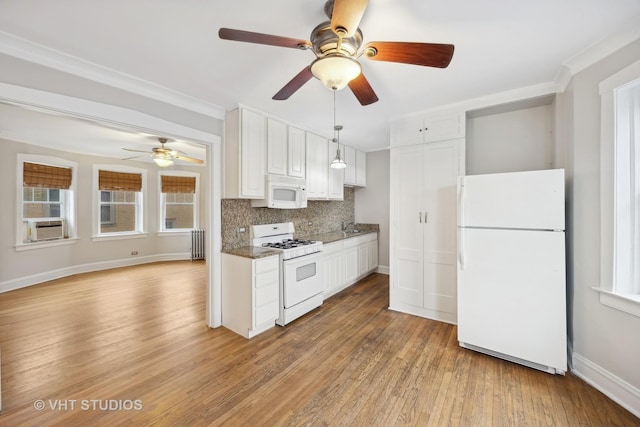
[{"x": 462, "y": 259}]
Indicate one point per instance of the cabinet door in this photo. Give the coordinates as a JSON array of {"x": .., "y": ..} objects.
[
  {"x": 363, "y": 259},
  {"x": 407, "y": 177},
  {"x": 361, "y": 168},
  {"x": 445, "y": 126},
  {"x": 442, "y": 165},
  {"x": 373, "y": 255},
  {"x": 297, "y": 153},
  {"x": 317, "y": 167},
  {"x": 350, "y": 171},
  {"x": 351, "y": 264},
  {"x": 407, "y": 132},
  {"x": 332, "y": 264},
  {"x": 252, "y": 155},
  {"x": 276, "y": 147}
]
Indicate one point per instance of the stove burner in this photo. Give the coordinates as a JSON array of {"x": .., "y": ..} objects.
[{"x": 288, "y": 243}]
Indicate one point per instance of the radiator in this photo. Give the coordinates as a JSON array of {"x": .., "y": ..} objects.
[{"x": 197, "y": 244}]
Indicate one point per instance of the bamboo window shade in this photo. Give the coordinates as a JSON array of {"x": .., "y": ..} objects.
[
  {"x": 46, "y": 176},
  {"x": 178, "y": 184},
  {"x": 119, "y": 181}
]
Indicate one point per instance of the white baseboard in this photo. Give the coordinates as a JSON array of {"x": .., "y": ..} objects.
[
  {"x": 383, "y": 269},
  {"x": 23, "y": 282},
  {"x": 618, "y": 390}
]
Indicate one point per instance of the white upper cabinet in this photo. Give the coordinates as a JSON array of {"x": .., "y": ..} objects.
[
  {"x": 349, "y": 154},
  {"x": 317, "y": 167},
  {"x": 355, "y": 173},
  {"x": 428, "y": 128},
  {"x": 297, "y": 153},
  {"x": 276, "y": 147},
  {"x": 245, "y": 145}
]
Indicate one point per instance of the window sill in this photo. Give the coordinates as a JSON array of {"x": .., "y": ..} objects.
[
  {"x": 119, "y": 236},
  {"x": 45, "y": 244},
  {"x": 182, "y": 232},
  {"x": 629, "y": 303}
]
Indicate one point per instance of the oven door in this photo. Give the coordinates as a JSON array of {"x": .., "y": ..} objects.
[{"x": 302, "y": 279}]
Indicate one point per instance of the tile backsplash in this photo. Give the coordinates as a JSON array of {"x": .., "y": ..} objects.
[{"x": 318, "y": 217}]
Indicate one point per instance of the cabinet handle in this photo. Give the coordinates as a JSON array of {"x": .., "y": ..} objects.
[
  {"x": 426, "y": 215},
  {"x": 420, "y": 214},
  {"x": 426, "y": 129}
]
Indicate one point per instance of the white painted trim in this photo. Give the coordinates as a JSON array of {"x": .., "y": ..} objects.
[
  {"x": 630, "y": 304},
  {"x": 597, "y": 52},
  {"x": 618, "y": 390},
  {"x": 383, "y": 269},
  {"x": 214, "y": 244},
  {"x": 35, "y": 53},
  {"x": 492, "y": 100},
  {"x": 45, "y": 244},
  {"x": 110, "y": 115},
  {"x": 23, "y": 282}
]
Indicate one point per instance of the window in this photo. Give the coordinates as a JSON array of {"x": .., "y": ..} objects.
[
  {"x": 620, "y": 191},
  {"x": 45, "y": 200},
  {"x": 178, "y": 201},
  {"x": 119, "y": 195}
]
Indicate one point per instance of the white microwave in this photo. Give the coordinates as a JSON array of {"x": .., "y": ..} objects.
[{"x": 283, "y": 192}]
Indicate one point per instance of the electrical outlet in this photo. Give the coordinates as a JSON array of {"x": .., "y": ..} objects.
[
  {"x": 134, "y": 252},
  {"x": 310, "y": 223},
  {"x": 241, "y": 229}
]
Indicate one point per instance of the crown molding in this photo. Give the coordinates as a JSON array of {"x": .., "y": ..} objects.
[
  {"x": 598, "y": 51},
  {"x": 26, "y": 50}
]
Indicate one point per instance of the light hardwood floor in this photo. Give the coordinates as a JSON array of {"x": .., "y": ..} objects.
[{"x": 115, "y": 337}]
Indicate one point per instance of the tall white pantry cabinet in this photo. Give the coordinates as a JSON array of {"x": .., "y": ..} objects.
[{"x": 427, "y": 156}]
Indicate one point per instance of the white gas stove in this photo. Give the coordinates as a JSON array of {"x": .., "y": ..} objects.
[
  {"x": 301, "y": 282},
  {"x": 280, "y": 237}
]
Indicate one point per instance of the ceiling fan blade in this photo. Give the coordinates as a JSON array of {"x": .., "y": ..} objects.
[
  {"x": 296, "y": 83},
  {"x": 426, "y": 54},
  {"x": 347, "y": 15},
  {"x": 362, "y": 90},
  {"x": 189, "y": 159},
  {"x": 268, "y": 39},
  {"x": 131, "y": 158},
  {"x": 136, "y": 151}
]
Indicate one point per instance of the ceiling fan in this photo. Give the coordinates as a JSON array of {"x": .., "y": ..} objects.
[
  {"x": 163, "y": 156},
  {"x": 336, "y": 44}
]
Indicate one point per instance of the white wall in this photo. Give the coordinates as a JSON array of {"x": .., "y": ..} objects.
[
  {"x": 372, "y": 201},
  {"x": 18, "y": 268},
  {"x": 510, "y": 141},
  {"x": 606, "y": 342}
]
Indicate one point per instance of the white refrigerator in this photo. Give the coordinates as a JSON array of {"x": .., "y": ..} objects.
[{"x": 511, "y": 267}]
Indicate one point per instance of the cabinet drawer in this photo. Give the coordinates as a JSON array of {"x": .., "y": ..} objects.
[
  {"x": 267, "y": 264},
  {"x": 267, "y": 279},
  {"x": 266, "y": 295},
  {"x": 266, "y": 313}
]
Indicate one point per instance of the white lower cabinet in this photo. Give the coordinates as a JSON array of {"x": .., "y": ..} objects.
[
  {"x": 347, "y": 261},
  {"x": 250, "y": 293}
]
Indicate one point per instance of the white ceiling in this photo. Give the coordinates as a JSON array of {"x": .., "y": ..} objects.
[{"x": 500, "y": 45}]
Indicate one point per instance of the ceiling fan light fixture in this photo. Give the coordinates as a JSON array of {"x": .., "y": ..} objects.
[
  {"x": 335, "y": 71},
  {"x": 163, "y": 160}
]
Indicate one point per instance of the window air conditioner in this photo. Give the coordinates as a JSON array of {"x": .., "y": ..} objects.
[{"x": 45, "y": 230}]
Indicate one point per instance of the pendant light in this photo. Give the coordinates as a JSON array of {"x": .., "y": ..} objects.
[{"x": 338, "y": 162}]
